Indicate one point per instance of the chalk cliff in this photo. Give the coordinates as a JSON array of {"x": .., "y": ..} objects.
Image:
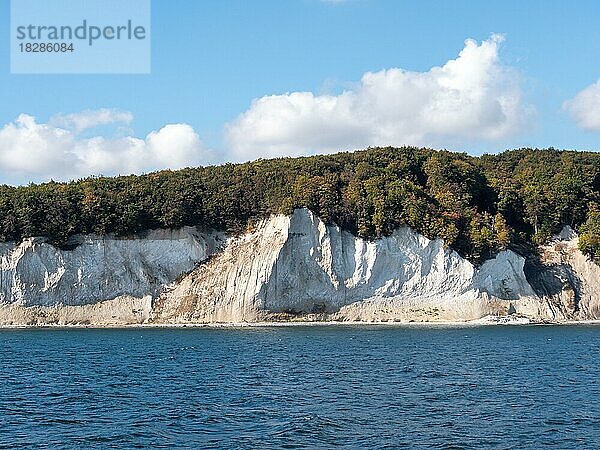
[
  {"x": 288, "y": 268},
  {"x": 102, "y": 280}
]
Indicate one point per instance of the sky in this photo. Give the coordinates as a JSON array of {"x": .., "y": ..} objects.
[{"x": 237, "y": 80}]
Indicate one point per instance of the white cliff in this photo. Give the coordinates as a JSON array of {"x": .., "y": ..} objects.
[
  {"x": 569, "y": 280},
  {"x": 288, "y": 268},
  {"x": 298, "y": 265},
  {"x": 126, "y": 272}
]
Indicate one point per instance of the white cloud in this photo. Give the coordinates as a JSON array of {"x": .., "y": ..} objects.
[
  {"x": 31, "y": 151},
  {"x": 91, "y": 118},
  {"x": 471, "y": 98},
  {"x": 585, "y": 108}
]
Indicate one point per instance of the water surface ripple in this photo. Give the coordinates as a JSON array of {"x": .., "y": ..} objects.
[{"x": 301, "y": 387}]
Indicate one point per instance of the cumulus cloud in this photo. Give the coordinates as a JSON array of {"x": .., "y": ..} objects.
[
  {"x": 32, "y": 151},
  {"x": 91, "y": 118},
  {"x": 471, "y": 98},
  {"x": 585, "y": 108}
]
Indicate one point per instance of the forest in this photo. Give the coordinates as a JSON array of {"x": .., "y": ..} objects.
[{"x": 478, "y": 205}]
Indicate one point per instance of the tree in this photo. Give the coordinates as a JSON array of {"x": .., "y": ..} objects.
[{"x": 589, "y": 233}]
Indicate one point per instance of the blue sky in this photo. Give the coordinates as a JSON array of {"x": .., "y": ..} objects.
[{"x": 210, "y": 59}]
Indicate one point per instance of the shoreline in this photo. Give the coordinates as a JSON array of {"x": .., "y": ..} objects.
[{"x": 483, "y": 322}]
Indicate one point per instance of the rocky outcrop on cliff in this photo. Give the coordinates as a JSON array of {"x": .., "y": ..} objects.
[
  {"x": 566, "y": 279},
  {"x": 288, "y": 268}
]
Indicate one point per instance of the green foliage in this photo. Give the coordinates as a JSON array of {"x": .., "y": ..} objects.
[
  {"x": 589, "y": 238},
  {"x": 477, "y": 205}
]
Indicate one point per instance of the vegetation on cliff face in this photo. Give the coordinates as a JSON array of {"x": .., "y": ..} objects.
[
  {"x": 478, "y": 205},
  {"x": 589, "y": 239}
]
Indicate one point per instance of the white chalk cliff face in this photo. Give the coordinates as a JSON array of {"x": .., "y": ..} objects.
[
  {"x": 299, "y": 266},
  {"x": 42, "y": 284},
  {"x": 287, "y": 268}
]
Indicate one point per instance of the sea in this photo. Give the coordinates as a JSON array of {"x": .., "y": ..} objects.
[{"x": 288, "y": 387}]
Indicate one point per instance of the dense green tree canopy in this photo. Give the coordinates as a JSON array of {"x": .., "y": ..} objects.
[{"x": 477, "y": 205}]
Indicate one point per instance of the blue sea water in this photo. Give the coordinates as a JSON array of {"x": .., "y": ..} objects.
[{"x": 301, "y": 387}]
